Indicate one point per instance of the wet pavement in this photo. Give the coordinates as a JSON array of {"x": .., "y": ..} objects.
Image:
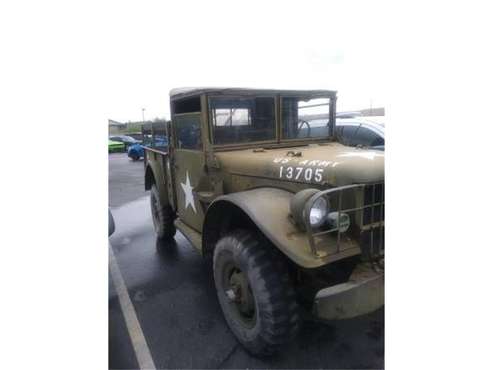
[
  {"x": 126, "y": 179},
  {"x": 172, "y": 290}
]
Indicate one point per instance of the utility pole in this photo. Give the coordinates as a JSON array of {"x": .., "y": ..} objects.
[{"x": 143, "y": 119}]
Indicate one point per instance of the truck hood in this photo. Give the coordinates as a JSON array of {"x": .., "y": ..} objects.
[{"x": 326, "y": 164}]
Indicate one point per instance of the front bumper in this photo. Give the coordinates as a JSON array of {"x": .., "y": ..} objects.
[{"x": 361, "y": 294}]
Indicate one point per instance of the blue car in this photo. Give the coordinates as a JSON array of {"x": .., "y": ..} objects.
[{"x": 135, "y": 151}]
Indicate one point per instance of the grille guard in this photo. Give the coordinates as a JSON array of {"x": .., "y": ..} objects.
[{"x": 362, "y": 203}]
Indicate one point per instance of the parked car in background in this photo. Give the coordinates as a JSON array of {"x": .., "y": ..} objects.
[
  {"x": 135, "y": 151},
  {"x": 160, "y": 142},
  {"x": 136, "y": 135},
  {"x": 126, "y": 140},
  {"x": 154, "y": 135},
  {"x": 115, "y": 146},
  {"x": 359, "y": 131}
]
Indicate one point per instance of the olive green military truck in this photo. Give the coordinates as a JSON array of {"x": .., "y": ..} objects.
[{"x": 294, "y": 219}]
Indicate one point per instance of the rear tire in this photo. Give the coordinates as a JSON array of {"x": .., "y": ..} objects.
[
  {"x": 162, "y": 217},
  {"x": 255, "y": 293}
]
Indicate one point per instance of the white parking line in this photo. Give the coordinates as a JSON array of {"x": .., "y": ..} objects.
[{"x": 137, "y": 338}]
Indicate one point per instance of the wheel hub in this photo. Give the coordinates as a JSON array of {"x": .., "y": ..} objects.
[{"x": 239, "y": 292}]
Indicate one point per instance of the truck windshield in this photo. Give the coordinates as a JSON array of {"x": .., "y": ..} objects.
[
  {"x": 305, "y": 117},
  {"x": 242, "y": 120}
]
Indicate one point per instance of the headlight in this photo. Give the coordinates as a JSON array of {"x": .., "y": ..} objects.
[{"x": 318, "y": 213}]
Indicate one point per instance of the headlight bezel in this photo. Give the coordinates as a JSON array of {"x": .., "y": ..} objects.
[{"x": 302, "y": 205}]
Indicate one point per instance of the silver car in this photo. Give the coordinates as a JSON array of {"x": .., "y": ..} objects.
[{"x": 364, "y": 132}]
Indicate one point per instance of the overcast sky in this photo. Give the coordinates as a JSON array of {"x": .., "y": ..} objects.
[{"x": 154, "y": 47}]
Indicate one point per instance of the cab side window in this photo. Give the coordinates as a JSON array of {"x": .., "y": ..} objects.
[{"x": 188, "y": 133}]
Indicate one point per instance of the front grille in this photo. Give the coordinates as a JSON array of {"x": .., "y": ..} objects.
[
  {"x": 364, "y": 204},
  {"x": 372, "y": 239},
  {"x": 372, "y": 244},
  {"x": 374, "y": 197}
]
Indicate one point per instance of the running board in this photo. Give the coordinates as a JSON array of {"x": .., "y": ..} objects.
[{"x": 194, "y": 237}]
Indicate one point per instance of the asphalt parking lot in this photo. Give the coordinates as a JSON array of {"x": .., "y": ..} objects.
[{"x": 172, "y": 292}]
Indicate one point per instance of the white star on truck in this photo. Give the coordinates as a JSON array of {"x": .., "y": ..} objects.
[{"x": 188, "y": 190}]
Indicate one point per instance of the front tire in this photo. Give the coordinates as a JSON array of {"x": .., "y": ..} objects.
[
  {"x": 162, "y": 217},
  {"x": 255, "y": 293}
]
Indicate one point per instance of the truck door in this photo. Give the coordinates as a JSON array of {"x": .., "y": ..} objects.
[{"x": 188, "y": 166}]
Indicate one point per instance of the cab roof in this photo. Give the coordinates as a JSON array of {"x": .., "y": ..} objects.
[{"x": 183, "y": 92}]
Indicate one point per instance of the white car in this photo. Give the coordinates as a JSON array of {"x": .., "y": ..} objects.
[{"x": 359, "y": 131}]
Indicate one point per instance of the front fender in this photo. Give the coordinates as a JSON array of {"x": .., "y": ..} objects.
[{"x": 268, "y": 208}]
